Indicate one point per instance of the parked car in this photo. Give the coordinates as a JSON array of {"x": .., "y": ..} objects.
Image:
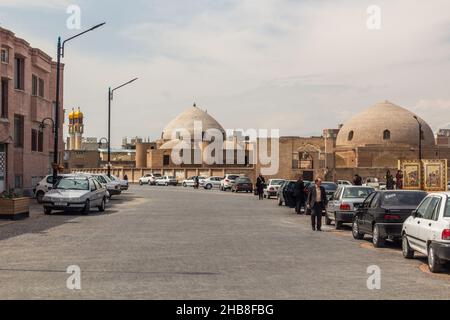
[
  {"x": 167, "y": 181},
  {"x": 285, "y": 194},
  {"x": 382, "y": 214},
  {"x": 228, "y": 181},
  {"x": 272, "y": 187},
  {"x": 189, "y": 182},
  {"x": 113, "y": 187},
  {"x": 242, "y": 184},
  {"x": 76, "y": 193},
  {"x": 344, "y": 182},
  {"x": 211, "y": 182},
  {"x": 330, "y": 188},
  {"x": 427, "y": 231},
  {"x": 123, "y": 183},
  {"x": 346, "y": 200},
  {"x": 149, "y": 178},
  {"x": 372, "y": 182},
  {"x": 45, "y": 185}
]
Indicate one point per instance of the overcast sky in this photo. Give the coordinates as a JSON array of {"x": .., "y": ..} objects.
[{"x": 299, "y": 66}]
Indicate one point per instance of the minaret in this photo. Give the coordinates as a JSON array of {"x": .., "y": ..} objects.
[{"x": 76, "y": 129}]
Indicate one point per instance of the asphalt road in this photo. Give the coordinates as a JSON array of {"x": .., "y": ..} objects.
[{"x": 177, "y": 243}]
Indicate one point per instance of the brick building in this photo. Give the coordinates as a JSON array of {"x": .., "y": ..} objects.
[{"x": 27, "y": 96}]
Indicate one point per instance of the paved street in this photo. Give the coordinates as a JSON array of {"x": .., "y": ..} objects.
[{"x": 176, "y": 243}]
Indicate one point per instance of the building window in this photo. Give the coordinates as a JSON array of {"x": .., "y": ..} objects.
[
  {"x": 306, "y": 161},
  {"x": 18, "y": 182},
  {"x": 386, "y": 135},
  {"x": 41, "y": 141},
  {"x": 295, "y": 160},
  {"x": 34, "y": 140},
  {"x": 350, "y": 135},
  {"x": 18, "y": 131},
  {"x": 19, "y": 72},
  {"x": 34, "y": 85},
  {"x": 4, "y": 98},
  {"x": 4, "y": 56},
  {"x": 41, "y": 88},
  {"x": 166, "y": 160}
]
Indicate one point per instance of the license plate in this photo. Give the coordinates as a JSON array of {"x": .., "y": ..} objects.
[{"x": 61, "y": 204}]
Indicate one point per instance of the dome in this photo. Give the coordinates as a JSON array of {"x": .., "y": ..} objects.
[
  {"x": 384, "y": 124},
  {"x": 186, "y": 121},
  {"x": 78, "y": 114}
]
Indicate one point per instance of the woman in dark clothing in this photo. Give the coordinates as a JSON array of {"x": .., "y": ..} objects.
[
  {"x": 260, "y": 184},
  {"x": 389, "y": 181},
  {"x": 399, "y": 180}
]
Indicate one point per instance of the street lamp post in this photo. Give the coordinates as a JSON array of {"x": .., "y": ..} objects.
[
  {"x": 420, "y": 137},
  {"x": 110, "y": 98},
  {"x": 59, "y": 55}
]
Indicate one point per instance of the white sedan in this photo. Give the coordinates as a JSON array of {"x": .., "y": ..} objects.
[
  {"x": 167, "y": 181},
  {"x": 189, "y": 182}
]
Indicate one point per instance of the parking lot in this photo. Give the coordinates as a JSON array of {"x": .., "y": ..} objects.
[{"x": 180, "y": 243}]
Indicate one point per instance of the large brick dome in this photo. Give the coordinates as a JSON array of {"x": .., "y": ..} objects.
[
  {"x": 186, "y": 121},
  {"x": 384, "y": 124}
]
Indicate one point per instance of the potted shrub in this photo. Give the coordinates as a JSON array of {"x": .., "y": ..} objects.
[{"x": 13, "y": 206}]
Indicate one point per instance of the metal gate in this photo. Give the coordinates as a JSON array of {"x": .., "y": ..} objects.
[{"x": 2, "y": 167}]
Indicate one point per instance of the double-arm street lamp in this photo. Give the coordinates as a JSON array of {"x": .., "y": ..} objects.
[
  {"x": 60, "y": 54},
  {"x": 110, "y": 98},
  {"x": 42, "y": 125}
]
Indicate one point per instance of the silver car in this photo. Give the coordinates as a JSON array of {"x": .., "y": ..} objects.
[
  {"x": 78, "y": 193},
  {"x": 211, "y": 182},
  {"x": 346, "y": 200},
  {"x": 113, "y": 187}
]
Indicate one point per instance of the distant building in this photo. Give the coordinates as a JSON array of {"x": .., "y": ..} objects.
[
  {"x": 443, "y": 138},
  {"x": 27, "y": 97}
]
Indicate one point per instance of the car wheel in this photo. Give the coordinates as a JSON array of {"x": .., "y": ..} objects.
[
  {"x": 377, "y": 240},
  {"x": 40, "y": 196},
  {"x": 408, "y": 253},
  {"x": 184, "y": 185},
  {"x": 140, "y": 182},
  {"x": 337, "y": 224},
  {"x": 102, "y": 206},
  {"x": 355, "y": 231},
  {"x": 167, "y": 184},
  {"x": 87, "y": 207},
  {"x": 268, "y": 197},
  {"x": 327, "y": 220},
  {"x": 434, "y": 263},
  {"x": 47, "y": 211},
  {"x": 208, "y": 187}
]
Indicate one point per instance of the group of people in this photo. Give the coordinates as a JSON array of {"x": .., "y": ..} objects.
[{"x": 391, "y": 183}]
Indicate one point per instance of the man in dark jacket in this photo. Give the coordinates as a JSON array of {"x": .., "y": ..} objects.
[
  {"x": 358, "y": 180},
  {"x": 317, "y": 201},
  {"x": 260, "y": 184},
  {"x": 299, "y": 194}
]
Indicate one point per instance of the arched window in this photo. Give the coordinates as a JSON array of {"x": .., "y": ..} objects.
[
  {"x": 350, "y": 135},
  {"x": 386, "y": 135}
]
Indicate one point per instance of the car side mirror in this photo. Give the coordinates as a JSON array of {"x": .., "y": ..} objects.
[{"x": 414, "y": 214}]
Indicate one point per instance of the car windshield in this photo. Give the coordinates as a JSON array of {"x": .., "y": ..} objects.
[
  {"x": 233, "y": 177},
  {"x": 329, "y": 186},
  {"x": 107, "y": 178},
  {"x": 73, "y": 184},
  {"x": 276, "y": 182},
  {"x": 101, "y": 179},
  {"x": 357, "y": 192},
  {"x": 244, "y": 180},
  {"x": 393, "y": 199}
]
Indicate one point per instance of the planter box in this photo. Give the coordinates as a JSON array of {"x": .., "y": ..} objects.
[{"x": 15, "y": 209}]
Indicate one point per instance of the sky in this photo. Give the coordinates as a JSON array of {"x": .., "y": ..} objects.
[{"x": 295, "y": 65}]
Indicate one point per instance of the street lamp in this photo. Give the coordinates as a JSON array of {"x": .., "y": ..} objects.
[
  {"x": 110, "y": 98},
  {"x": 420, "y": 137},
  {"x": 42, "y": 125},
  {"x": 59, "y": 55}
]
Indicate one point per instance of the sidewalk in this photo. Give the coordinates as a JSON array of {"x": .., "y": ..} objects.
[{"x": 36, "y": 211}]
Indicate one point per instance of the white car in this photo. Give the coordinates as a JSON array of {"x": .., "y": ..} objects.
[
  {"x": 211, "y": 182},
  {"x": 149, "y": 179},
  {"x": 45, "y": 185},
  {"x": 189, "y": 182},
  {"x": 166, "y": 181},
  {"x": 427, "y": 231},
  {"x": 372, "y": 182},
  {"x": 272, "y": 187},
  {"x": 123, "y": 183},
  {"x": 228, "y": 181},
  {"x": 113, "y": 187},
  {"x": 344, "y": 182}
]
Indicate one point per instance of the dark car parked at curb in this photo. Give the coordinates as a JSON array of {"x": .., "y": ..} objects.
[
  {"x": 285, "y": 194},
  {"x": 382, "y": 214},
  {"x": 330, "y": 188},
  {"x": 242, "y": 184}
]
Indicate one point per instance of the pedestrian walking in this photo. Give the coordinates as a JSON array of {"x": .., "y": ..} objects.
[
  {"x": 299, "y": 194},
  {"x": 260, "y": 184},
  {"x": 196, "y": 182},
  {"x": 389, "y": 181},
  {"x": 357, "y": 181},
  {"x": 399, "y": 180},
  {"x": 317, "y": 201}
]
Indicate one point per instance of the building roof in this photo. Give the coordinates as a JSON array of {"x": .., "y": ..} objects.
[
  {"x": 384, "y": 124},
  {"x": 186, "y": 121}
]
